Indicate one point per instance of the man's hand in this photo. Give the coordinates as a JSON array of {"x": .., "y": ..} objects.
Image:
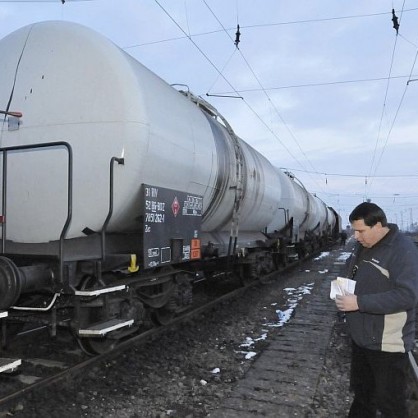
[{"x": 346, "y": 303}]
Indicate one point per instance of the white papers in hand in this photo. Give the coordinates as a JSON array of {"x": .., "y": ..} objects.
[{"x": 342, "y": 286}]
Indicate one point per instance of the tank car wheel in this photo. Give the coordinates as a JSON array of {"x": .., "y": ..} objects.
[
  {"x": 88, "y": 282},
  {"x": 94, "y": 346},
  {"x": 162, "y": 316},
  {"x": 248, "y": 274},
  {"x": 14, "y": 327},
  {"x": 259, "y": 266},
  {"x": 267, "y": 266}
]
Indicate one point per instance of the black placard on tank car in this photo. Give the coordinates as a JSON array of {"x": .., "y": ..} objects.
[{"x": 171, "y": 231}]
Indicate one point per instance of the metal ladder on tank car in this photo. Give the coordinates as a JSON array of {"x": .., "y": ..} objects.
[
  {"x": 3, "y": 217},
  {"x": 3, "y": 220},
  {"x": 98, "y": 329},
  {"x": 6, "y": 364},
  {"x": 101, "y": 329}
]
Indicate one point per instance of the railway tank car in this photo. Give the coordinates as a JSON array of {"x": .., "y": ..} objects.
[{"x": 118, "y": 190}]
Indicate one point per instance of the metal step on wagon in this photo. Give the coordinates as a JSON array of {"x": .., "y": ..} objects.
[{"x": 7, "y": 364}]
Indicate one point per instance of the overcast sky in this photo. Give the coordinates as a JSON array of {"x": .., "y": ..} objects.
[{"x": 325, "y": 89}]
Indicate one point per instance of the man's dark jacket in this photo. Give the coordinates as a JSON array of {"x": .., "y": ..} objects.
[{"x": 387, "y": 293}]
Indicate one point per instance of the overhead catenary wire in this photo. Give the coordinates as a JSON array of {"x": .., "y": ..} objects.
[
  {"x": 219, "y": 74},
  {"x": 263, "y": 25},
  {"x": 266, "y": 95},
  {"x": 328, "y": 83},
  {"x": 382, "y": 113},
  {"x": 232, "y": 87},
  {"x": 354, "y": 175},
  {"x": 194, "y": 43},
  {"x": 396, "y": 113}
]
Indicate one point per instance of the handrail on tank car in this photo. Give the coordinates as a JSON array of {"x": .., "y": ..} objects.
[
  {"x": 286, "y": 214},
  {"x": 5, "y": 151},
  {"x": 110, "y": 212},
  {"x": 296, "y": 180}
]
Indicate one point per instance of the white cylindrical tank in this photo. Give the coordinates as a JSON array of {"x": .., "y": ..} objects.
[
  {"x": 331, "y": 219},
  {"x": 308, "y": 212},
  {"x": 74, "y": 85}
]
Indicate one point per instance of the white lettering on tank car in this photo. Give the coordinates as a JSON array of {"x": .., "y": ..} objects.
[
  {"x": 193, "y": 206},
  {"x": 151, "y": 192},
  {"x": 153, "y": 252}
]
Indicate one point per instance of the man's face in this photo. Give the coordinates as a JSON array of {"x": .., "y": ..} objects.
[{"x": 367, "y": 236}]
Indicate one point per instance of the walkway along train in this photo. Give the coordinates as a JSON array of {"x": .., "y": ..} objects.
[{"x": 119, "y": 191}]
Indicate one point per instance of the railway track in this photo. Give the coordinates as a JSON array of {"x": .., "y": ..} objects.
[{"x": 51, "y": 369}]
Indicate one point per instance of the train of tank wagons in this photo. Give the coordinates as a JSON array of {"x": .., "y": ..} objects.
[{"x": 119, "y": 192}]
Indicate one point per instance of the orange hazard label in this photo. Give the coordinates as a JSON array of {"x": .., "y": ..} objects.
[
  {"x": 195, "y": 254},
  {"x": 195, "y": 244}
]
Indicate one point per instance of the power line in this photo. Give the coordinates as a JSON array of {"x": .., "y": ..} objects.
[
  {"x": 383, "y": 107},
  {"x": 329, "y": 83},
  {"x": 397, "y": 111},
  {"x": 382, "y": 113},
  {"x": 228, "y": 82},
  {"x": 352, "y": 175},
  {"x": 264, "y": 91},
  {"x": 262, "y": 25},
  {"x": 194, "y": 43},
  {"x": 327, "y": 19}
]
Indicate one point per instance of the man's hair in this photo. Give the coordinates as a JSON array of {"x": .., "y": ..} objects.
[{"x": 370, "y": 213}]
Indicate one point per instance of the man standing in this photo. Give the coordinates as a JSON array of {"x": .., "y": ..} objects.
[{"x": 381, "y": 313}]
